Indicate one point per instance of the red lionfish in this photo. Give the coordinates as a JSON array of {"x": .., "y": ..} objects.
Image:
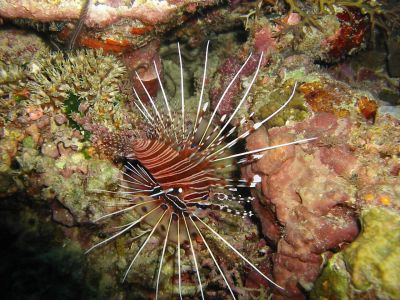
[{"x": 172, "y": 172}]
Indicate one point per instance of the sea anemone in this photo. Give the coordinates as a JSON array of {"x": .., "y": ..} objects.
[{"x": 174, "y": 175}]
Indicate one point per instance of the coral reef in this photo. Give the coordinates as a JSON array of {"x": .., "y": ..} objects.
[
  {"x": 267, "y": 102},
  {"x": 43, "y": 149},
  {"x": 312, "y": 206},
  {"x": 370, "y": 71},
  {"x": 101, "y": 14},
  {"x": 312, "y": 197},
  {"x": 310, "y": 194}
]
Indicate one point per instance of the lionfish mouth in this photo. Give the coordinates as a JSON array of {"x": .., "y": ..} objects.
[{"x": 174, "y": 171}]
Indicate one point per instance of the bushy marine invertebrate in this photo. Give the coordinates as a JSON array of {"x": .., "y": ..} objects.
[
  {"x": 88, "y": 74},
  {"x": 173, "y": 171},
  {"x": 54, "y": 77}
]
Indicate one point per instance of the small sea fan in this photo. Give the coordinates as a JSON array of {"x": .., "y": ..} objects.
[{"x": 173, "y": 175}]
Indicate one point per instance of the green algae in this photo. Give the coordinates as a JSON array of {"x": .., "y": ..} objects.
[
  {"x": 271, "y": 101},
  {"x": 375, "y": 255},
  {"x": 71, "y": 106},
  {"x": 334, "y": 281},
  {"x": 28, "y": 142},
  {"x": 369, "y": 265}
]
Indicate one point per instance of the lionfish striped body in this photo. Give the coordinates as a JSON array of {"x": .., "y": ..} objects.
[{"x": 173, "y": 170}]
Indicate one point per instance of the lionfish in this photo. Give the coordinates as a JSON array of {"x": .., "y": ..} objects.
[{"x": 173, "y": 171}]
